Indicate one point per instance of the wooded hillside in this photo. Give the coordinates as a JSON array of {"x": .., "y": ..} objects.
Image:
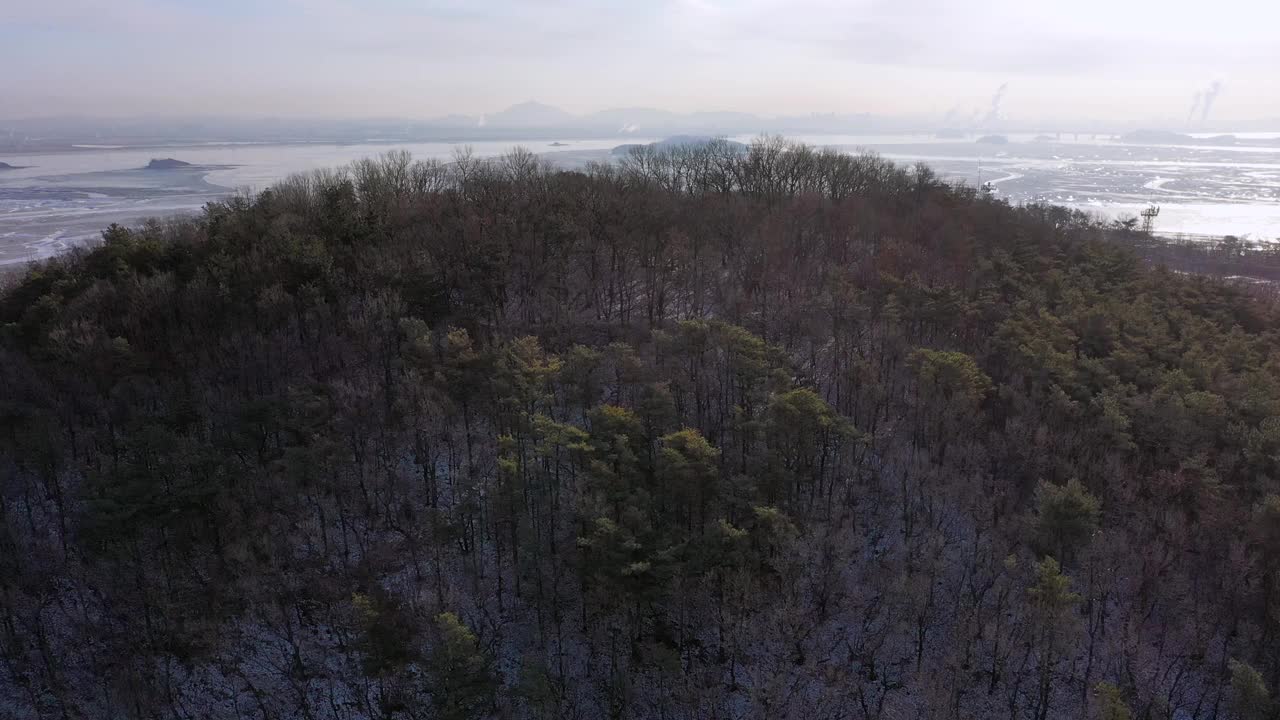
[{"x": 704, "y": 434}]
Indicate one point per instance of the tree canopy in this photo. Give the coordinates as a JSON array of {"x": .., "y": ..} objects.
[{"x": 779, "y": 433}]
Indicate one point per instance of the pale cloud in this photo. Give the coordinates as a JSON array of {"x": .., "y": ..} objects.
[{"x": 405, "y": 57}]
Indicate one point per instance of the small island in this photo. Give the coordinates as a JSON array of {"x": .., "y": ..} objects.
[
  {"x": 682, "y": 141},
  {"x": 559, "y": 144},
  {"x": 1165, "y": 137},
  {"x": 166, "y": 164},
  {"x": 1161, "y": 137},
  {"x": 993, "y": 140},
  {"x": 7, "y": 166}
]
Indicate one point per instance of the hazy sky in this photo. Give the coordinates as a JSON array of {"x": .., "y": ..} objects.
[{"x": 1109, "y": 59}]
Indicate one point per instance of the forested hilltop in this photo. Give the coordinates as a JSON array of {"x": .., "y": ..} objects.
[{"x": 702, "y": 434}]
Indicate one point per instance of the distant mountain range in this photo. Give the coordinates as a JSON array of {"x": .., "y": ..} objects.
[
  {"x": 527, "y": 114},
  {"x": 523, "y": 122},
  {"x": 652, "y": 121}
]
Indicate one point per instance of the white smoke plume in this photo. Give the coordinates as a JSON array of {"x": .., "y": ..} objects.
[
  {"x": 1210, "y": 94},
  {"x": 993, "y": 113}
]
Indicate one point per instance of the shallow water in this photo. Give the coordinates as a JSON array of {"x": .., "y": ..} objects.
[{"x": 1201, "y": 190}]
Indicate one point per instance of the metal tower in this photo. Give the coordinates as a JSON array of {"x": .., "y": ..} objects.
[{"x": 1149, "y": 218}]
